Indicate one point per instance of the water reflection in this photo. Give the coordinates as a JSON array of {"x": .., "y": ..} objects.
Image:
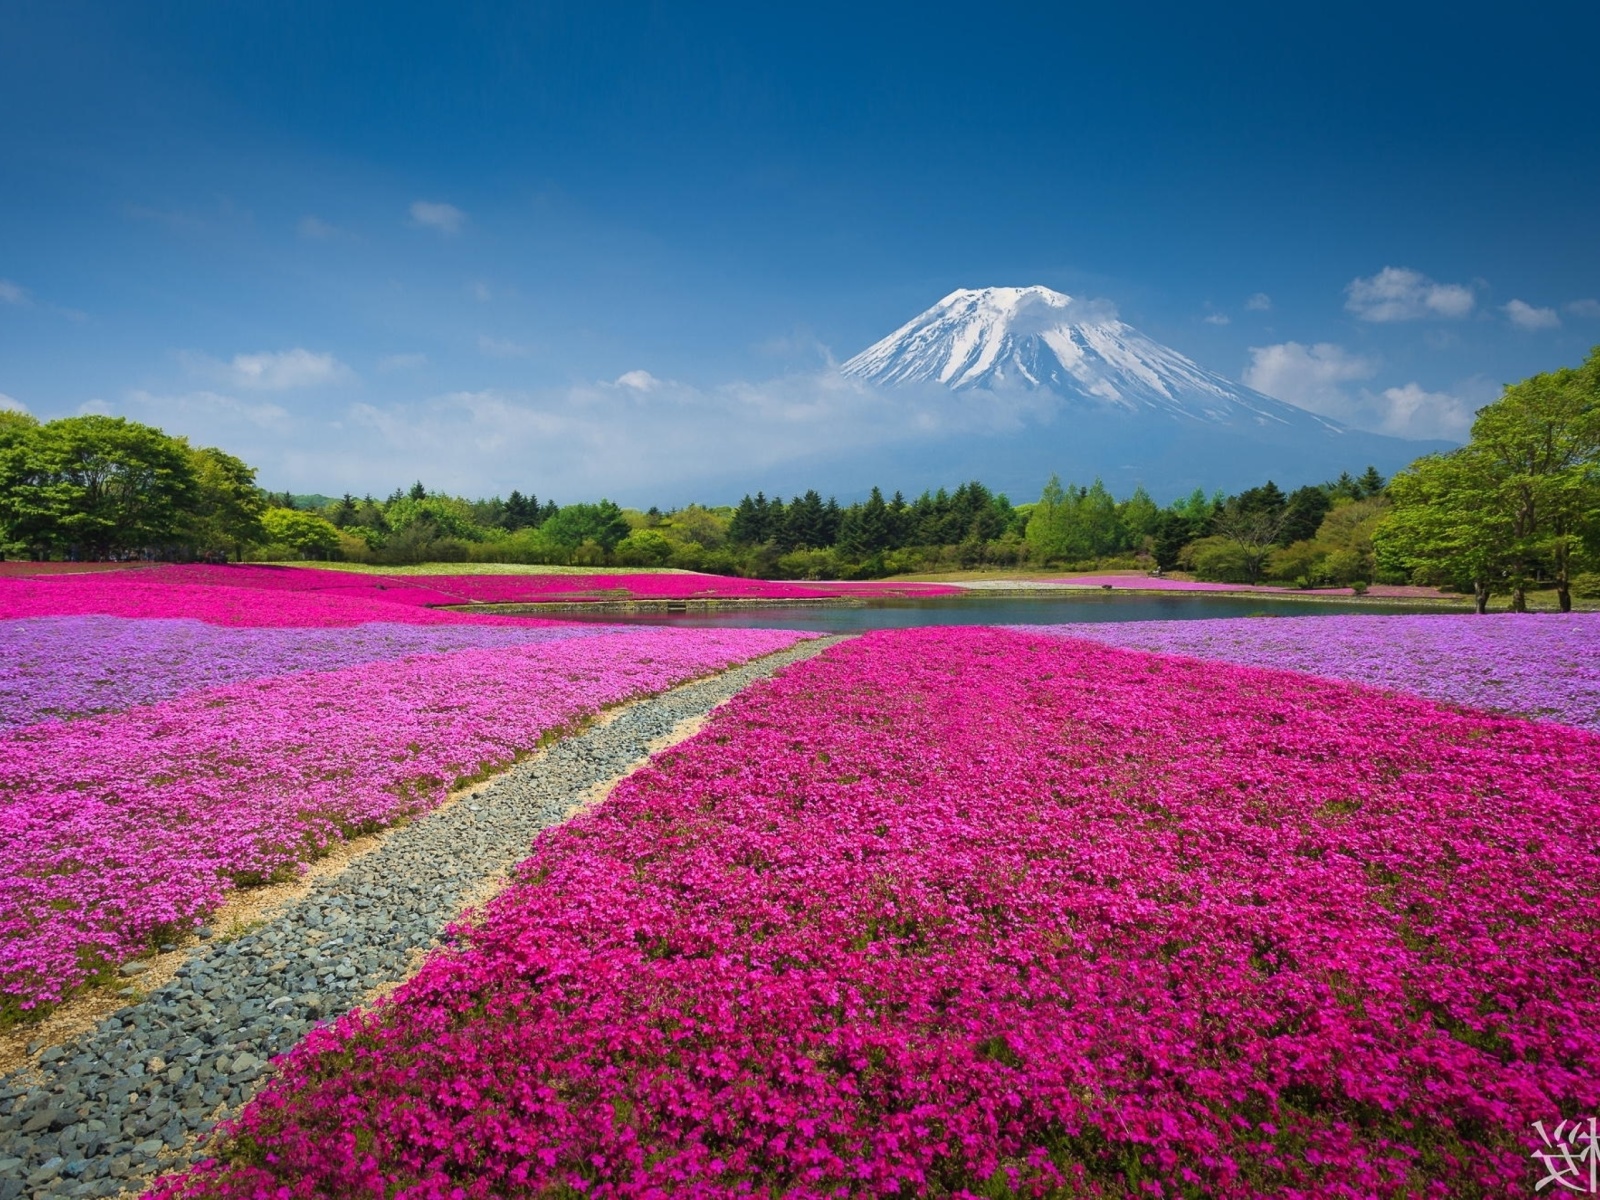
[{"x": 979, "y": 609}]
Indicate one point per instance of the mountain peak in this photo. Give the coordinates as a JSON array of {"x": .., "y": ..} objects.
[{"x": 1039, "y": 339}]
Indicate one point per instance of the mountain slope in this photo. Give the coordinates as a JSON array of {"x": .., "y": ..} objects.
[{"x": 1037, "y": 339}]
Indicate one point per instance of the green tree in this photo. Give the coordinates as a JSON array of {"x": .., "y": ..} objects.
[
  {"x": 1446, "y": 526},
  {"x": 17, "y": 431},
  {"x": 1139, "y": 516},
  {"x": 97, "y": 485},
  {"x": 575, "y": 524},
  {"x": 1252, "y": 529},
  {"x": 227, "y": 508},
  {"x": 305, "y": 533},
  {"x": 1540, "y": 443}
]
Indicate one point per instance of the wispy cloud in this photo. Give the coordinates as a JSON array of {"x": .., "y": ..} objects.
[
  {"x": 210, "y": 414},
  {"x": 1326, "y": 379},
  {"x": 501, "y": 347},
  {"x": 1401, "y": 294},
  {"x": 402, "y": 362},
  {"x": 446, "y": 218},
  {"x": 1259, "y": 302},
  {"x": 271, "y": 371},
  {"x": 11, "y": 404},
  {"x": 1217, "y": 318},
  {"x": 1525, "y": 316},
  {"x": 316, "y": 229},
  {"x": 14, "y": 293},
  {"x": 1585, "y": 308},
  {"x": 637, "y": 437}
]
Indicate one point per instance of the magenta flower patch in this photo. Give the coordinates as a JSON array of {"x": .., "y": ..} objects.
[
  {"x": 966, "y": 911},
  {"x": 118, "y": 827},
  {"x": 1545, "y": 666}
]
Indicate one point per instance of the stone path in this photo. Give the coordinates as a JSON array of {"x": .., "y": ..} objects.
[{"x": 137, "y": 1094}]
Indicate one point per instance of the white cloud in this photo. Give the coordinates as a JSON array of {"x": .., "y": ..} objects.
[
  {"x": 1413, "y": 411},
  {"x": 638, "y": 437},
  {"x": 15, "y": 293},
  {"x": 402, "y": 362},
  {"x": 1525, "y": 316},
  {"x": 95, "y": 407},
  {"x": 271, "y": 371},
  {"x": 316, "y": 229},
  {"x": 482, "y": 292},
  {"x": 1312, "y": 377},
  {"x": 1259, "y": 302},
  {"x": 1584, "y": 308},
  {"x": 11, "y": 404},
  {"x": 446, "y": 218},
  {"x": 211, "y": 414},
  {"x": 501, "y": 347},
  {"x": 1401, "y": 294},
  {"x": 639, "y": 381},
  {"x": 1325, "y": 379},
  {"x": 1217, "y": 318}
]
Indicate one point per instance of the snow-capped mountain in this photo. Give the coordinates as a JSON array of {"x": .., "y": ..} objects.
[
  {"x": 1011, "y": 385},
  {"x": 1034, "y": 338}
]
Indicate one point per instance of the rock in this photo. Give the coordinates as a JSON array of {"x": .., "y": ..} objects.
[{"x": 136, "y": 967}]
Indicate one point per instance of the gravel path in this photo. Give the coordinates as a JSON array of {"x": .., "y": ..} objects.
[{"x": 137, "y": 1094}]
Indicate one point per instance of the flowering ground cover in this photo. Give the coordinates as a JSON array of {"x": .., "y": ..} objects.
[
  {"x": 1545, "y": 666},
  {"x": 270, "y": 595},
  {"x": 961, "y": 911},
  {"x": 62, "y": 667},
  {"x": 117, "y": 829},
  {"x": 151, "y": 593}
]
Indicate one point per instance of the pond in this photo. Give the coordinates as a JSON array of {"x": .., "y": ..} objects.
[{"x": 979, "y": 609}]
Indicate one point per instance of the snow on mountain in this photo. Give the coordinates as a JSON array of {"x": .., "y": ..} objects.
[{"x": 1033, "y": 338}]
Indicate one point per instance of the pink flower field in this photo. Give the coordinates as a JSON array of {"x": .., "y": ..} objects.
[
  {"x": 1544, "y": 666},
  {"x": 306, "y": 596},
  {"x": 978, "y": 912},
  {"x": 224, "y": 735}
]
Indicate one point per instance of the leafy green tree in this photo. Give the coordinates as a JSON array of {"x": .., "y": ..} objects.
[
  {"x": 1074, "y": 523},
  {"x": 1446, "y": 526},
  {"x": 1303, "y": 514},
  {"x": 644, "y": 548},
  {"x": 1138, "y": 515},
  {"x": 17, "y": 431},
  {"x": 307, "y": 534},
  {"x": 1341, "y": 552},
  {"x": 1252, "y": 529},
  {"x": 98, "y": 485},
  {"x": 1540, "y": 443},
  {"x": 442, "y": 517},
  {"x": 227, "y": 508},
  {"x": 575, "y": 524}
]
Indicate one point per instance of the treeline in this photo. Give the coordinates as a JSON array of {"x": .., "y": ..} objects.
[
  {"x": 104, "y": 487},
  {"x": 1516, "y": 508},
  {"x": 806, "y": 538},
  {"x": 1313, "y": 536}
]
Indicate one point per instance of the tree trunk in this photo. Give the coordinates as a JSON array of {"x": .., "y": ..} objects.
[
  {"x": 1564, "y": 595},
  {"x": 1519, "y": 599},
  {"x": 1480, "y": 596}
]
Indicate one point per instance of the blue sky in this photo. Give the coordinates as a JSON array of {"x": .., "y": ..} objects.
[{"x": 607, "y": 248}]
